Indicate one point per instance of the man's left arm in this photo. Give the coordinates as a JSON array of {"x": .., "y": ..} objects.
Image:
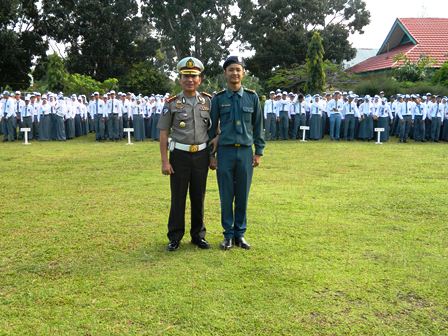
[{"x": 257, "y": 122}]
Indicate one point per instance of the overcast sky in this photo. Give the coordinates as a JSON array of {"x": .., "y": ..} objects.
[{"x": 384, "y": 12}]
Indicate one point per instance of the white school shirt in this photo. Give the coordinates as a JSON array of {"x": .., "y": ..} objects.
[
  {"x": 7, "y": 106},
  {"x": 435, "y": 110},
  {"x": 269, "y": 107},
  {"x": 350, "y": 108},
  {"x": 113, "y": 106},
  {"x": 419, "y": 110},
  {"x": 27, "y": 111},
  {"x": 316, "y": 108},
  {"x": 334, "y": 105}
]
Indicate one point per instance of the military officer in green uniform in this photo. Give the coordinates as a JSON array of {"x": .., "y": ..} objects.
[
  {"x": 238, "y": 112},
  {"x": 186, "y": 119}
]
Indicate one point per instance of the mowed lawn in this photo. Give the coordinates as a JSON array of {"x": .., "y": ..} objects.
[{"x": 348, "y": 239}]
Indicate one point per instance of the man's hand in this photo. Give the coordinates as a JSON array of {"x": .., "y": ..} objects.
[
  {"x": 214, "y": 144},
  {"x": 213, "y": 163},
  {"x": 167, "y": 169},
  {"x": 256, "y": 161}
]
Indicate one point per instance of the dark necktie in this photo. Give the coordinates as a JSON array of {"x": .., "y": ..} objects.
[{"x": 237, "y": 113}]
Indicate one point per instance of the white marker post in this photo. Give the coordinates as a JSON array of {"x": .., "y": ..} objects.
[
  {"x": 129, "y": 130},
  {"x": 304, "y": 129},
  {"x": 26, "y": 130},
  {"x": 379, "y": 130}
]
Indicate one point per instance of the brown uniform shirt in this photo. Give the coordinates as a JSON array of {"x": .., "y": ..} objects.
[{"x": 188, "y": 124}]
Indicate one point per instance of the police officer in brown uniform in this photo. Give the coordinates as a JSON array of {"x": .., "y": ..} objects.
[{"x": 186, "y": 119}]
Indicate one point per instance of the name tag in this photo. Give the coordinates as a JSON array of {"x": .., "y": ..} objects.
[
  {"x": 226, "y": 105},
  {"x": 248, "y": 109}
]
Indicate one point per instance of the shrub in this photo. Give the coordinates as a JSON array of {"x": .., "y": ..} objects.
[{"x": 374, "y": 85}]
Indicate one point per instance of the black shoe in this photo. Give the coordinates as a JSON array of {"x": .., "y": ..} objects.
[
  {"x": 173, "y": 246},
  {"x": 226, "y": 244},
  {"x": 201, "y": 243},
  {"x": 241, "y": 242}
]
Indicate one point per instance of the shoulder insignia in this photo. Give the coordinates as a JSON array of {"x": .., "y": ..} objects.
[
  {"x": 169, "y": 100},
  {"x": 251, "y": 91},
  {"x": 206, "y": 94},
  {"x": 220, "y": 92}
]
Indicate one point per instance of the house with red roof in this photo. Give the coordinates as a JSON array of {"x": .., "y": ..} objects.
[{"x": 412, "y": 37}]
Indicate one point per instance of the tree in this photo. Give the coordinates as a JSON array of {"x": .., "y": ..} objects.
[
  {"x": 293, "y": 78},
  {"x": 279, "y": 30},
  {"x": 314, "y": 64},
  {"x": 56, "y": 75},
  {"x": 201, "y": 28},
  {"x": 144, "y": 78},
  {"x": 441, "y": 75},
  {"x": 20, "y": 41},
  {"x": 103, "y": 38},
  {"x": 86, "y": 85},
  {"x": 412, "y": 71},
  {"x": 218, "y": 83}
]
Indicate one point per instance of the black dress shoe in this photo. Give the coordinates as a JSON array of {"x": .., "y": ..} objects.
[
  {"x": 201, "y": 243},
  {"x": 241, "y": 242},
  {"x": 226, "y": 244},
  {"x": 173, "y": 246}
]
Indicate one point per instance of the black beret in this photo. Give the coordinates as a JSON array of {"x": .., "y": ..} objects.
[{"x": 233, "y": 60}]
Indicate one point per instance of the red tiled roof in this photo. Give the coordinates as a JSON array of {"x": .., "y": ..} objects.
[{"x": 431, "y": 35}]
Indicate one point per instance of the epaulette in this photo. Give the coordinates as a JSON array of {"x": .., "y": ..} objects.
[
  {"x": 207, "y": 94},
  {"x": 220, "y": 92},
  {"x": 169, "y": 100},
  {"x": 249, "y": 90}
]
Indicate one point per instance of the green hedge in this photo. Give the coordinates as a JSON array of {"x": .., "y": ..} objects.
[{"x": 390, "y": 86}]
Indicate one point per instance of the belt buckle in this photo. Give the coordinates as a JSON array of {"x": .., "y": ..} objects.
[
  {"x": 237, "y": 145},
  {"x": 194, "y": 148}
]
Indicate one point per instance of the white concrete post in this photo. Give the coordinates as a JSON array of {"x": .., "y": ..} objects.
[
  {"x": 304, "y": 129},
  {"x": 129, "y": 130},
  {"x": 26, "y": 130},
  {"x": 379, "y": 130}
]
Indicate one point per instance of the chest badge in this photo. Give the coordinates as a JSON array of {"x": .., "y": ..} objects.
[{"x": 179, "y": 104}]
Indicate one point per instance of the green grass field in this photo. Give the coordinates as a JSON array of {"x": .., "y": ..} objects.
[{"x": 347, "y": 239}]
